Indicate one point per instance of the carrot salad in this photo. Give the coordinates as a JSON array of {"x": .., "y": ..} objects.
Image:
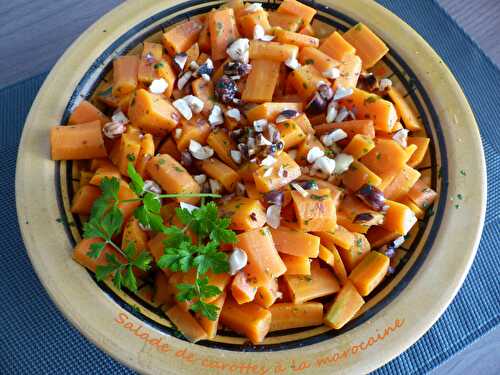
[{"x": 260, "y": 174}]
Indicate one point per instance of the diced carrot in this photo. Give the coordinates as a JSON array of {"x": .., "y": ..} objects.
[
  {"x": 248, "y": 22},
  {"x": 84, "y": 199},
  {"x": 151, "y": 55},
  {"x": 301, "y": 40},
  {"x": 290, "y": 22},
  {"x": 355, "y": 254},
  {"x": 261, "y": 81},
  {"x": 186, "y": 323},
  {"x": 204, "y": 38},
  {"x": 192, "y": 53},
  {"x": 243, "y": 290},
  {"x": 386, "y": 159},
  {"x": 398, "y": 218},
  {"x": 197, "y": 129},
  {"x": 222, "y": 144},
  {"x": 306, "y": 13},
  {"x": 337, "y": 47},
  {"x": 338, "y": 266},
  {"x": 147, "y": 151},
  {"x": 270, "y": 110},
  {"x": 368, "y": 45},
  {"x": 303, "y": 149},
  {"x": 221, "y": 172},
  {"x": 245, "y": 213},
  {"x": 358, "y": 175},
  {"x": 152, "y": 113},
  {"x": 419, "y": 212},
  {"x": 369, "y": 272},
  {"x": 295, "y": 243},
  {"x": 291, "y": 133},
  {"x": 326, "y": 255},
  {"x": 307, "y": 30},
  {"x": 291, "y": 315},
  {"x": 267, "y": 293},
  {"x": 350, "y": 69},
  {"x": 303, "y": 121},
  {"x": 77, "y": 142},
  {"x": 223, "y": 31},
  {"x": 172, "y": 177},
  {"x": 164, "y": 292},
  {"x": 106, "y": 170},
  {"x": 125, "y": 194},
  {"x": 359, "y": 146},
  {"x": 274, "y": 181},
  {"x": 320, "y": 283},
  {"x": 371, "y": 106},
  {"x": 353, "y": 127},
  {"x": 247, "y": 170},
  {"x": 422, "y": 195},
  {"x": 305, "y": 80},
  {"x": 344, "y": 308},
  {"x": 210, "y": 326},
  {"x": 316, "y": 212},
  {"x": 320, "y": 60},
  {"x": 264, "y": 261},
  {"x": 378, "y": 236},
  {"x": 169, "y": 147},
  {"x": 163, "y": 69},
  {"x": 296, "y": 265},
  {"x": 104, "y": 94},
  {"x": 339, "y": 236},
  {"x": 130, "y": 146},
  {"x": 275, "y": 51},
  {"x": 125, "y": 70},
  {"x": 83, "y": 248},
  {"x": 405, "y": 111},
  {"x": 132, "y": 232},
  {"x": 248, "y": 319},
  {"x": 85, "y": 113},
  {"x": 204, "y": 90},
  {"x": 402, "y": 184},
  {"x": 422, "y": 144},
  {"x": 180, "y": 37}
]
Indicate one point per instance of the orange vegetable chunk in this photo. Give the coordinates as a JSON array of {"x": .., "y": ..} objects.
[
  {"x": 86, "y": 112},
  {"x": 405, "y": 111},
  {"x": 261, "y": 81},
  {"x": 399, "y": 218},
  {"x": 316, "y": 212},
  {"x": 180, "y": 37},
  {"x": 220, "y": 172},
  {"x": 291, "y": 315},
  {"x": 353, "y": 255},
  {"x": 196, "y": 129},
  {"x": 172, "y": 177},
  {"x": 422, "y": 195},
  {"x": 295, "y": 243},
  {"x": 151, "y": 55},
  {"x": 359, "y": 146},
  {"x": 291, "y": 133},
  {"x": 186, "y": 323},
  {"x": 296, "y": 265},
  {"x": 77, "y": 142},
  {"x": 305, "y": 80},
  {"x": 125, "y": 70},
  {"x": 250, "y": 20},
  {"x": 306, "y": 13},
  {"x": 223, "y": 31},
  {"x": 275, "y": 51},
  {"x": 152, "y": 113},
  {"x": 245, "y": 213},
  {"x": 320, "y": 283},
  {"x": 210, "y": 326},
  {"x": 243, "y": 290},
  {"x": 368, "y": 46},
  {"x": 290, "y": 22},
  {"x": 248, "y": 319},
  {"x": 84, "y": 199},
  {"x": 337, "y": 47},
  {"x": 371, "y": 106},
  {"x": 300, "y": 40},
  {"x": 422, "y": 144},
  {"x": 271, "y": 110},
  {"x": 344, "y": 308},
  {"x": 266, "y": 183},
  {"x": 264, "y": 261},
  {"x": 369, "y": 272},
  {"x": 83, "y": 247}
]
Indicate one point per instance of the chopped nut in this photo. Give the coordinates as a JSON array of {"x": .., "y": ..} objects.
[
  {"x": 152, "y": 187},
  {"x": 215, "y": 118},
  {"x": 332, "y": 73},
  {"x": 187, "y": 206},
  {"x": 200, "y": 178},
  {"x": 342, "y": 93},
  {"x": 236, "y": 156},
  {"x": 195, "y": 103},
  {"x": 113, "y": 129},
  {"x": 237, "y": 260},
  {"x": 314, "y": 154},
  {"x": 200, "y": 152},
  {"x": 385, "y": 84},
  {"x": 287, "y": 114},
  {"x": 234, "y": 113},
  {"x": 273, "y": 214},
  {"x": 239, "y": 50},
  {"x": 215, "y": 186},
  {"x": 183, "y": 107},
  {"x": 260, "y": 125},
  {"x": 325, "y": 165},
  {"x": 342, "y": 163},
  {"x": 184, "y": 79},
  {"x": 332, "y": 137},
  {"x": 180, "y": 60},
  {"x": 119, "y": 117},
  {"x": 331, "y": 111}
]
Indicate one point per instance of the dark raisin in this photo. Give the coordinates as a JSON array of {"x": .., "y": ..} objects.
[
  {"x": 235, "y": 68},
  {"x": 316, "y": 105},
  {"x": 274, "y": 197},
  {"x": 325, "y": 91},
  {"x": 225, "y": 89},
  {"x": 186, "y": 159},
  {"x": 372, "y": 196}
]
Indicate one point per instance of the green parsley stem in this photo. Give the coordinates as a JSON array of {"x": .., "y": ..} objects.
[
  {"x": 110, "y": 242},
  {"x": 182, "y": 195}
]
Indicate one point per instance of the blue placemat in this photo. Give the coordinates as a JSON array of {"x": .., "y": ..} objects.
[{"x": 35, "y": 338}]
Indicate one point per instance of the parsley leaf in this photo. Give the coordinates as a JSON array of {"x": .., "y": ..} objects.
[
  {"x": 206, "y": 309},
  {"x": 178, "y": 259},
  {"x": 136, "y": 181},
  {"x": 210, "y": 258}
]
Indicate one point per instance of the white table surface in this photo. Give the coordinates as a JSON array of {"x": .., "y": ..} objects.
[{"x": 49, "y": 27}]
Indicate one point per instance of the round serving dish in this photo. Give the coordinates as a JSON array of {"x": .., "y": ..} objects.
[{"x": 436, "y": 258}]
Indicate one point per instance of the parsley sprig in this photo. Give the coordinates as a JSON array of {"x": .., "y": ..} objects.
[{"x": 180, "y": 253}]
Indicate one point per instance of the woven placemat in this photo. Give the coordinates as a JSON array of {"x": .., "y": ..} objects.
[{"x": 35, "y": 338}]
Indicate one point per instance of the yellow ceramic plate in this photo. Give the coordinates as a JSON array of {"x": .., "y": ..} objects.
[{"x": 434, "y": 260}]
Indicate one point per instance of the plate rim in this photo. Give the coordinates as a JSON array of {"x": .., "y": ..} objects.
[{"x": 129, "y": 6}]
